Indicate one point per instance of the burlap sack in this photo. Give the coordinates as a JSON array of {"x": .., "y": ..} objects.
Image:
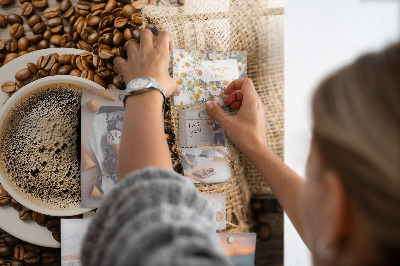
[{"x": 236, "y": 25}]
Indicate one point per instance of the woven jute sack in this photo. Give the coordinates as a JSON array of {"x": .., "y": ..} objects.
[{"x": 235, "y": 25}]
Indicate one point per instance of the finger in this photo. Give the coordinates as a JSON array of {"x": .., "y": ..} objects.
[
  {"x": 236, "y": 104},
  {"x": 235, "y": 96},
  {"x": 245, "y": 85},
  {"x": 163, "y": 41},
  {"x": 178, "y": 91},
  {"x": 119, "y": 63},
  {"x": 218, "y": 113},
  {"x": 146, "y": 40},
  {"x": 132, "y": 48}
]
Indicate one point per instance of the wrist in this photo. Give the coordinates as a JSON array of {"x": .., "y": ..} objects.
[{"x": 152, "y": 99}]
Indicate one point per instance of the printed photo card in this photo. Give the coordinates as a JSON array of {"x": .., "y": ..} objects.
[
  {"x": 206, "y": 165},
  {"x": 218, "y": 201},
  {"x": 102, "y": 115},
  {"x": 72, "y": 234},
  {"x": 240, "y": 248},
  {"x": 204, "y": 74}
]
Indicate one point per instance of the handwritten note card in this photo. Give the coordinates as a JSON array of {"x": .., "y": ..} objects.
[{"x": 204, "y": 74}]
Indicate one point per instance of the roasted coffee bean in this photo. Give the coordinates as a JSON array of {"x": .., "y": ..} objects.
[
  {"x": 32, "y": 67},
  {"x": 66, "y": 38},
  {"x": 128, "y": 34},
  {"x": 87, "y": 74},
  {"x": 139, "y": 4},
  {"x": 9, "y": 57},
  {"x": 51, "y": 12},
  {"x": 25, "y": 215},
  {"x": 67, "y": 29},
  {"x": 23, "y": 44},
  {"x": 64, "y": 70},
  {"x": 152, "y": 28},
  {"x": 100, "y": 81},
  {"x": 64, "y": 59},
  {"x": 128, "y": 10},
  {"x": 120, "y": 52},
  {"x": 23, "y": 74},
  {"x": 39, "y": 3},
  {"x": 48, "y": 62},
  {"x": 64, "y": 5},
  {"x": 42, "y": 74},
  {"x": 3, "y": 21},
  {"x": 39, "y": 28},
  {"x": 5, "y": 251},
  {"x": 70, "y": 45},
  {"x": 54, "y": 70},
  {"x": 35, "y": 38},
  {"x": 48, "y": 257},
  {"x": 120, "y": 23},
  {"x": 56, "y": 235},
  {"x": 38, "y": 217},
  {"x": 16, "y": 30},
  {"x": 22, "y": 53},
  {"x": 11, "y": 241},
  {"x": 8, "y": 87},
  {"x": 54, "y": 22},
  {"x": 2, "y": 45},
  {"x": 15, "y": 203},
  {"x": 84, "y": 46},
  {"x": 105, "y": 53},
  {"x": 137, "y": 18},
  {"x": 19, "y": 252},
  {"x": 5, "y": 2},
  {"x": 5, "y": 200},
  {"x": 12, "y": 45},
  {"x": 111, "y": 5},
  {"x": 105, "y": 22},
  {"x": 39, "y": 62},
  {"x": 67, "y": 14},
  {"x": 99, "y": 6},
  {"x": 93, "y": 38},
  {"x": 94, "y": 21},
  {"x": 16, "y": 263},
  {"x": 57, "y": 30},
  {"x": 32, "y": 248},
  {"x": 82, "y": 63},
  {"x": 33, "y": 20},
  {"x": 73, "y": 60},
  {"x": 31, "y": 257},
  {"x": 43, "y": 44},
  {"x": 14, "y": 18},
  {"x": 83, "y": 6},
  {"x": 118, "y": 39},
  {"x": 75, "y": 72},
  {"x": 26, "y": 9},
  {"x": 47, "y": 34},
  {"x": 55, "y": 39},
  {"x": 108, "y": 39}
]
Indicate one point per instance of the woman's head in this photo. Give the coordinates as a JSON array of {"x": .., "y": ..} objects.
[{"x": 354, "y": 163}]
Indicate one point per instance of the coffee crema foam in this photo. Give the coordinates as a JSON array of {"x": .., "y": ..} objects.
[{"x": 39, "y": 146}]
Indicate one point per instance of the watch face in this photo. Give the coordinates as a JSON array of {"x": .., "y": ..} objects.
[{"x": 141, "y": 83}]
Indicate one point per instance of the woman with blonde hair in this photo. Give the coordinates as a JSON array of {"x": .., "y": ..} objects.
[{"x": 347, "y": 210}]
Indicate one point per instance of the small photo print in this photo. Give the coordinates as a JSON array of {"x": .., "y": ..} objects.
[
  {"x": 72, "y": 233},
  {"x": 197, "y": 128},
  {"x": 206, "y": 165},
  {"x": 218, "y": 201},
  {"x": 240, "y": 248}
]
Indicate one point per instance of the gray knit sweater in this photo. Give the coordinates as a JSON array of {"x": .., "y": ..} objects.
[{"x": 154, "y": 217}]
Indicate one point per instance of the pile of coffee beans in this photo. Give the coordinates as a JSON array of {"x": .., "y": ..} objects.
[{"x": 14, "y": 252}]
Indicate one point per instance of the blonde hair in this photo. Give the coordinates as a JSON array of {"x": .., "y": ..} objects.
[{"x": 356, "y": 114}]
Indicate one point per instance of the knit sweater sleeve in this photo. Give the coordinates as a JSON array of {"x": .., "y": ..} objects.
[{"x": 153, "y": 217}]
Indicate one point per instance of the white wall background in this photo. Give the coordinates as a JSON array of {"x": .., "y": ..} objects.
[{"x": 320, "y": 36}]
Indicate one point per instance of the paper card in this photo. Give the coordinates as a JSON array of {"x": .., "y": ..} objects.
[
  {"x": 218, "y": 201},
  {"x": 206, "y": 165},
  {"x": 102, "y": 118},
  {"x": 240, "y": 248},
  {"x": 204, "y": 74},
  {"x": 72, "y": 234},
  {"x": 197, "y": 128}
]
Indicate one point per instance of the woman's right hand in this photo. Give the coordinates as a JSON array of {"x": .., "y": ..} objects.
[{"x": 247, "y": 128}]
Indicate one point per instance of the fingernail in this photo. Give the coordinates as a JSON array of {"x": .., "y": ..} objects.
[
  {"x": 209, "y": 106},
  {"x": 179, "y": 90}
]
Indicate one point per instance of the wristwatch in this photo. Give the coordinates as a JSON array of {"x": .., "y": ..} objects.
[{"x": 141, "y": 85}]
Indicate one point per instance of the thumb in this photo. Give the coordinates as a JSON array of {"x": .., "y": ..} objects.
[{"x": 218, "y": 113}]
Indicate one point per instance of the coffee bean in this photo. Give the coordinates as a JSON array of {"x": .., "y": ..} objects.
[
  {"x": 83, "y": 6},
  {"x": 4, "y": 201},
  {"x": 19, "y": 252},
  {"x": 128, "y": 34},
  {"x": 66, "y": 38},
  {"x": 5, "y": 251},
  {"x": 15, "y": 203},
  {"x": 23, "y": 44},
  {"x": 14, "y": 18},
  {"x": 67, "y": 29},
  {"x": 137, "y": 18},
  {"x": 111, "y": 5},
  {"x": 39, "y": 3},
  {"x": 54, "y": 70},
  {"x": 16, "y": 263},
  {"x": 94, "y": 21},
  {"x": 38, "y": 217},
  {"x": 84, "y": 46},
  {"x": 32, "y": 248},
  {"x": 23, "y": 74},
  {"x": 64, "y": 59},
  {"x": 25, "y": 215},
  {"x": 120, "y": 23},
  {"x": 152, "y": 28},
  {"x": 87, "y": 74},
  {"x": 55, "y": 39},
  {"x": 32, "y": 67},
  {"x": 67, "y": 14},
  {"x": 48, "y": 257},
  {"x": 96, "y": 7},
  {"x": 3, "y": 21},
  {"x": 139, "y": 4},
  {"x": 9, "y": 57},
  {"x": 108, "y": 39},
  {"x": 47, "y": 34},
  {"x": 48, "y": 62},
  {"x": 26, "y": 9},
  {"x": 100, "y": 81},
  {"x": 51, "y": 12},
  {"x": 64, "y": 70},
  {"x": 118, "y": 39},
  {"x": 35, "y": 38},
  {"x": 93, "y": 38},
  {"x": 54, "y": 22},
  {"x": 8, "y": 87},
  {"x": 16, "y": 30},
  {"x": 64, "y": 5},
  {"x": 75, "y": 72},
  {"x": 56, "y": 235},
  {"x": 43, "y": 44},
  {"x": 128, "y": 10},
  {"x": 33, "y": 20},
  {"x": 12, "y": 45},
  {"x": 2, "y": 45},
  {"x": 5, "y": 2},
  {"x": 39, "y": 28},
  {"x": 42, "y": 74},
  {"x": 11, "y": 241},
  {"x": 57, "y": 30},
  {"x": 30, "y": 257}
]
